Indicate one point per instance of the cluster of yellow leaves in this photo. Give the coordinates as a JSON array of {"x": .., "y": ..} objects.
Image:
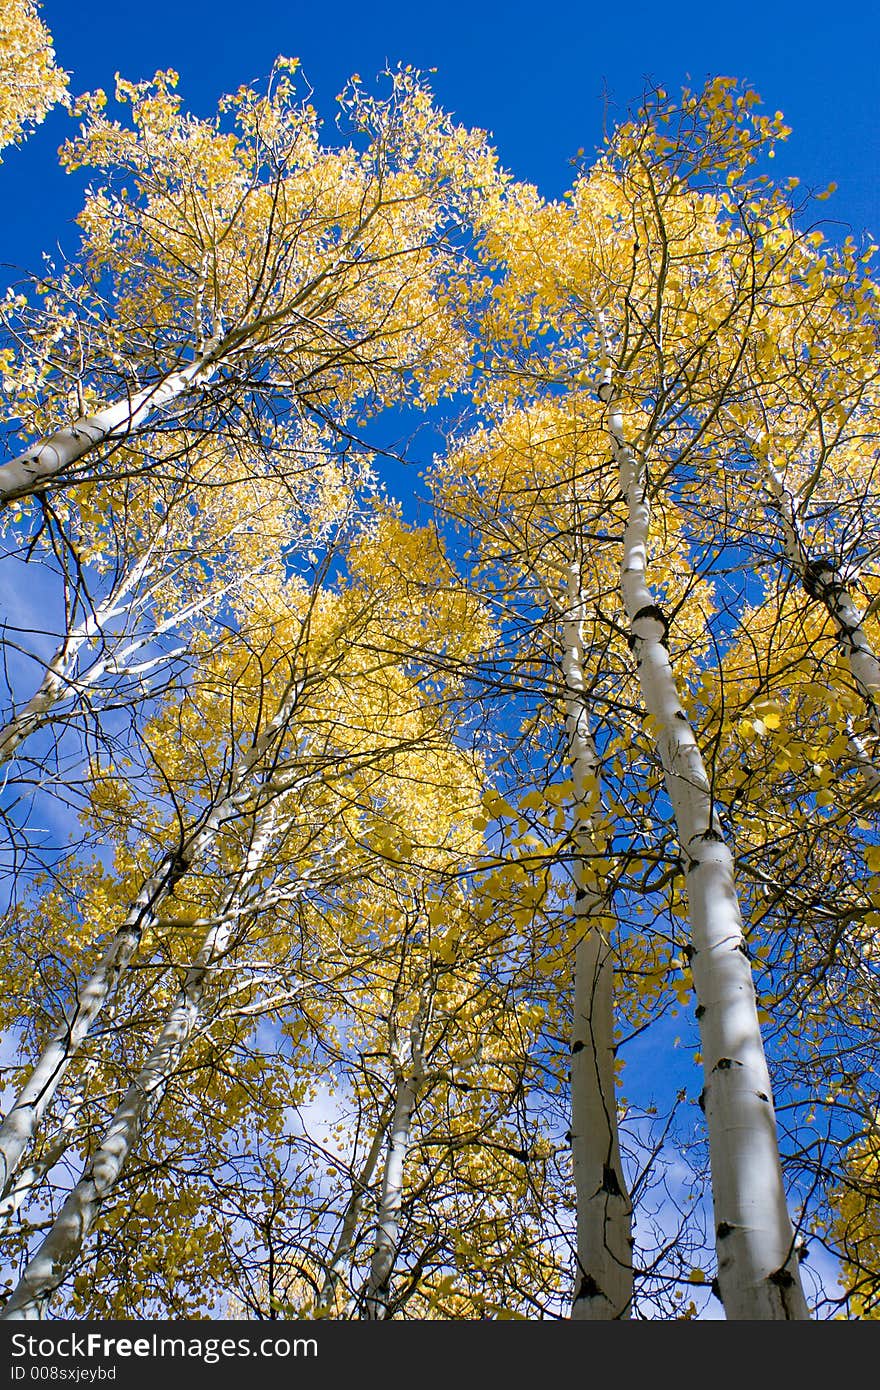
[{"x": 30, "y": 83}]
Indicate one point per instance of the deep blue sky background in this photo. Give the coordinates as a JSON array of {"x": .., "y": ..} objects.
[{"x": 532, "y": 73}]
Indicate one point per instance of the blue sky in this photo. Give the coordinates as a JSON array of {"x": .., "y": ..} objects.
[{"x": 535, "y": 75}]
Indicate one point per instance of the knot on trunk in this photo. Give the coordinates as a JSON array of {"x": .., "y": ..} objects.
[
  {"x": 725, "y": 1064},
  {"x": 652, "y": 613},
  {"x": 610, "y": 1183},
  {"x": 819, "y": 576},
  {"x": 588, "y": 1289}
]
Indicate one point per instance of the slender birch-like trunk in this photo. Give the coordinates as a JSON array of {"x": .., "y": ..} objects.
[
  {"x": 34, "y": 470},
  {"x": 822, "y": 582},
  {"x": 342, "y": 1249},
  {"x": 21, "y": 1122},
  {"x": 50, "y": 1264},
  {"x": 57, "y": 679},
  {"x": 28, "y": 1179},
  {"x": 604, "y": 1213},
  {"x": 758, "y": 1275},
  {"x": 61, "y": 680},
  {"x": 409, "y": 1075},
  {"x": 31, "y": 471}
]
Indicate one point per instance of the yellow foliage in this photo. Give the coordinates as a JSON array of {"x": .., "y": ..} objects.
[{"x": 30, "y": 83}]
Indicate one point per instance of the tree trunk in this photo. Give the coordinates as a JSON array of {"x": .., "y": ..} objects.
[
  {"x": 60, "y": 1248},
  {"x": 21, "y": 1122},
  {"x": 33, "y": 470},
  {"x": 758, "y": 1276},
  {"x": 408, "y": 1081},
  {"x": 603, "y": 1287},
  {"x": 342, "y": 1248}
]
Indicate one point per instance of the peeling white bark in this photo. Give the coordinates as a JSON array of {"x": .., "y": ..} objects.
[
  {"x": 603, "y": 1284},
  {"x": 758, "y": 1276}
]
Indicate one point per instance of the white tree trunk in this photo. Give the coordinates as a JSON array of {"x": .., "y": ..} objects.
[
  {"x": 339, "y": 1259},
  {"x": 58, "y": 679},
  {"x": 29, "y": 1179},
  {"x": 822, "y": 581},
  {"x": 33, "y": 470},
  {"x": 61, "y": 680},
  {"x": 21, "y": 1122},
  {"x": 758, "y": 1276},
  {"x": 603, "y": 1288},
  {"x": 49, "y": 1265},
  {"x": 409, "y": 1075}
]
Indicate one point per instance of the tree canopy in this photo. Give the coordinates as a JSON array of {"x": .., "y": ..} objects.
[{"x": 470, "y": 917}]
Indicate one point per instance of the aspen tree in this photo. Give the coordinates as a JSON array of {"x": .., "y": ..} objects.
[
  {"x": 91, "y": 996},
  {"x": 531, "y": 503},
  {"x": 48, "y": 1267},
  {"x": 411, "y": 844},
  {"x": 250, "y": 259},
  {"x": 604, "y": 1235},
  {"x": 757, "y": 1267},
  {"x": 366, "y": 715}
]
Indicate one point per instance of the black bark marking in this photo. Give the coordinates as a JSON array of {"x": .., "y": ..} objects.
[
  {"x": 699, "y": 1010},
  {"x": 610, "y": 1182},
  {"x": 655, "y": 612},
  {"x": 818, "y": 576},
  {"x": 588, "y": 1289},
  {"x": 723, "y": 1230},
  {"x": 577, "y": 1047}
]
